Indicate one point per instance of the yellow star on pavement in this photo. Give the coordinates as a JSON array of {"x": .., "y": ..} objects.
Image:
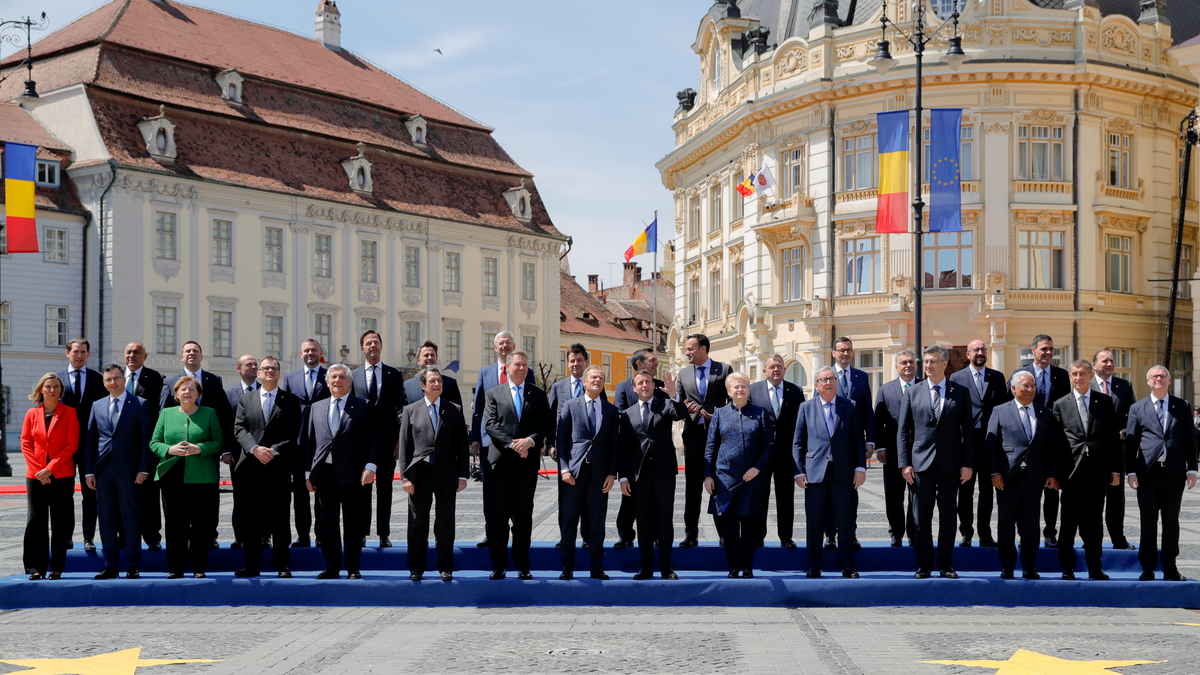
[
  {"x": 124, "y": 662},
  {"x": 1025, "y": 662},
  {"x": 1187, "y": 624}
]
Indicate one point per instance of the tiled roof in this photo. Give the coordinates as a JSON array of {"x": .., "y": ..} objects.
[
  {"x": 18, "y": 126},
  {"x": 575, "y": 302},
  {"x": 635, "y": 309}
]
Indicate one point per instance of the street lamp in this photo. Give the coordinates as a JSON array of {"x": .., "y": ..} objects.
[
  {"x": 883, "y": 62},
  {"x": 29, "y": 98}
]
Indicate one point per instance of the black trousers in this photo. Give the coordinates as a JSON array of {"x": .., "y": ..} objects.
[
  {"x": 1050, "y": 512},
  {"x": 741, "y": 538},
  {"x": 510, "y": 484},
  {"x": 191, "y": 512},
  {"x": 653, "y": 496},
  {"x": 302, "y": 503},
  {"x": 785, "y": 500},
  {"x": 819, "y": 499},
  {"x": 1114, "y": 511},
  {"x": 693, "y": 486},
  {"x": 262, "y": 508},
  {"x": 626, "y": 517},
  {"x": 485, "y": 468},
  {"x": 966, "y": 496},
  {"x": 1159, "y": 495},
  {"x": 119, "y": 503},
  {"x": 584, "y": 499},
  {"x": 585, "y": 524},
  {"x": 150, "y": 497},
  {"x": 1018, "y": 505},
  {"x": 929, "y": 488},
  {"x": 49, "y": 524},
  {"x": 895, "y": 496},
  {"x": 1082, "y": 500},
  {"x": 384, "y": 476},
  {"x": 341, "y": 545},
  {"x": 420, "y": 503},
  {"x": 89, "y": 500}
]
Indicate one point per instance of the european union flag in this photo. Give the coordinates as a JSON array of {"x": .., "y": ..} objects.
[{"x": 945, "y": 182}]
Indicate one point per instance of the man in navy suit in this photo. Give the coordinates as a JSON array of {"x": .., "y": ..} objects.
[
  {"x": 490, "y": 375},
  {"x": 1160, "y": 453},
  {"x": 115, "y": 465},
  {"x": 937, "y": 453},
  {"x": 856, "y": 386},
  {"x": 1052, "y": 384},
  {"x": 782, "y": 401},
  {"x": 988, "y": 390},
  {"x": 307, "y": 383},
  {"x": 383, "y": 387},
  {"x": 829, "y": 451},
  {"x": 587, "y": 468},
  {"x": 561, "y": 392},
  {"x": 247, "y": 370},
  {"x": 427, "y": 357},
  {"x": 1120, "y": 391},
  {"x": 343, "y": 451},
  {"x": 702, "y": 389},
  {"x": 1021, "y": 439},
  {"x": 83, "y": 387},
  {"x": 887, "y": 437},
  {"x": 623, "y": 397},
  {"x": 146, "y": 383}
]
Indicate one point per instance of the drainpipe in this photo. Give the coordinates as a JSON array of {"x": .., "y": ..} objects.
[
  {"x": 832, "y": 225},
  {"x": 112, "y": 165}
]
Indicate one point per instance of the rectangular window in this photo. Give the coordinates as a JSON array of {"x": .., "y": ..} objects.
[
  {"x": 966, "y": 153},
  {"x": 528, "y": 281},
  {"x": 606, "y": 364},
  {"x": 164, "y": 236},
  {"x": 739, "y": 285},
  {"x": 450, "y": 346},
  {"x": 714, "y": 294},
  {"x": 1124, "y": 362},
  {"x": 793, "y": 171},
  {"x": 562, "y": 361},
  {"x": 1185, "y": 272},
  {"x": 453, "y": 271},
  {"x": 489, "y": 349},
  {"x": 222, "y": 339},
  {"x": 412, "y": 267},
  {"x": 863, "y": 265},
  {"x": 529, "y": 346},
  {"x": 1118, "y": 160},
  {"x": 1060, "y": 356},
  {"x": 164, "y": 329},
  {"x": 714, "y": 210},
  {"x": 793, "y": 273},
  {"x": 858, "y": 157},
  {"x": 55, "y": 249},
  {"x": 948, "y": 260},
  {"x": 368, "y": 262},
  {"x": 870, "y": 361},
  {"x": 1117, "y": 260},
  {"x": 56, "y": 326},
  {"x": 412, "y": 341},
  {"x": 323, "y": 327},
  {"x": 694, "y": 299},
  {"x": 1181, "y": 375},
  {"x": 47, "y": 173},
  {"x": 367, "y": 323},
  {"x": 1040, "y": 153},
  {"x": 694, "y": 220},
  {"x": 3, "y": 238},
  {"x": 737, "y": 203},
  {"x": 490, "y": 266},
  {"x": 5, "y": 323},
  {"x": 222, "y": 243},
  {"x": 273, "y": 335},
  {"x": 1040, "y": 259},
  {"x": 323, "y": 257},
  {"x": 273, "y": 250}
]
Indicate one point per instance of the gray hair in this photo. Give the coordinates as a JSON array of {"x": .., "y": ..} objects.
[
  {"x": 907, "y": 350},
  {"x": 1012, "y": 381},
  {"x": 774, "y": 357},
  {"x": 337, "y": 366},
  {"x": 1082, "y": 363},
  {"x": 737, "y": 375},
  {"x": 426, "y": 372},
  {"x": 939, "y": 351},
  {"x": 496, "y": 340},
  {"x": 591, "y": 368},
  {"x": 822, "y": 369},
  {"x": 1158, "y": 367}
]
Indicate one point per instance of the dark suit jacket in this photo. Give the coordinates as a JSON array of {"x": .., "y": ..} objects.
[
  {"x": 887, "y": 418},
  {"x": 1008, "y": 446},
  {"x": 450, "y": 392},
  {"x": 1060, "y": 383},
  {"x": 448, "y": 444},
  {"x": 813, "y": 448},
  {"x": 1121, "y": 393},
  {"x": 277, "y": 433},
  {"x": 500, "y": 419},
  {"x": 577, "y": 439},
  {"x": 489, "y": 376},
  {"x": 93, "y": 390},
  {"x": 995, "y": 392},
  {"x": 560, "y": 393},
  {"x": 391, "y": 400},
  {"x": 1101, "y": 437},
  {"x": 1145, "y": 438},
  {"x": 234, "y": 394},
  {"x": 637, "y": 441},
  {"x": 293, "y": 383},
  {"x": 355, "y": 445},
  {"x": 785, "y": 424},
  {"x": 624, "y": 395},
  {"x": 148, "y": 386},
  {"x": 860, "y": 393},
  {"x": 213, "y": 397},
  {"x": 127, "y": 447},
  {"x": 948, "y": 446},
  {"x": 715, "y": 396}
]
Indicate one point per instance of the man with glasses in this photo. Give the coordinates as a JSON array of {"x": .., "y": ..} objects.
[
  {"x": 1120, "y": 391},
  {"x": 1052, "y": 383},
  {"x": 490, "y": 375},
  {"x": 855, "y": 385},
  {"x": 887, "y": 433},
  {"x": 988, "y": 390}
]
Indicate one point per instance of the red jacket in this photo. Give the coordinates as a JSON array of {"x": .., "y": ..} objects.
[{"x": 54, "y": 446}]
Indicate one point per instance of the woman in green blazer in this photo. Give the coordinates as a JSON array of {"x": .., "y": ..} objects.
[{"x": 188, "y": 442}]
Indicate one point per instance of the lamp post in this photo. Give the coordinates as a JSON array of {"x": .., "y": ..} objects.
[
  {"x": 883, "y": 62},
  {"x": 1187, "y": 133}
]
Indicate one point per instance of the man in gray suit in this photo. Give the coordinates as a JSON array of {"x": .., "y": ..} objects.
[
  {"x": 561, "y": 392},
  {"x": 1120, "y": 391}
]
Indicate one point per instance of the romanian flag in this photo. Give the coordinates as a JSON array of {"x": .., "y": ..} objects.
[
  {"x": 746, "y": 187},
  {"x": 647, "y": 241},
  {"x": 20, "y": 164},
  {"x": 891, "y": 215}
]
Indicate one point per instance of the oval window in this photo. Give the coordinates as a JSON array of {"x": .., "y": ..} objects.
[
  {"x": 361, "y": 177},
  {"x": 160, "y": 140},
  {"x": 521, "y": 206}
]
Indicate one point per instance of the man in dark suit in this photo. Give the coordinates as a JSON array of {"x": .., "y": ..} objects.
[
  {"x": 427, "y": 357},
  {"x": 115, "y": 465},
  {"x": 1120, "y": 391},
  {"x": 829, "y": 451},
  {"x": 383, "y": 387},
  {"x": 308, "y": 384},
  {"x": 1021, "y": 438},
  {"x": 856, "y": 386},
  {"x": 887, "y": 432},
  {"x": 247, "y": 370},
  {"x": 781, "y": 400},
  {"x": 490, "y": 375},
  {"x": 146, "y": 384},
  {"x": 561, "y": 392},
  {"x": 1160, "y": 453},
  {"x": 264, "y": 433},
  {"x": 343, "y": 451},
  {"x": 702, "y": 389},
  {"x": 1088, "y": 463},
  {"x": 624, "y": 396},
  {"x": 587, "y": 468},
  {"x": 937, "y": 453},
  {"x": 988, "y": 390},
  {"x": 517, "y": 417},
  {"x": 649, "y": 466},
  {"x": 83, "y": 387},
  {"x": 1052, "y": 384},
  {"x": 435, "y": 463}
]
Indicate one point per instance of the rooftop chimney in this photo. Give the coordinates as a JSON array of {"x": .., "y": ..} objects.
[
  {"x": 593, "y": 283},
  {"x": 329, "y": 25},
  {"x": 630, "y": 273}
]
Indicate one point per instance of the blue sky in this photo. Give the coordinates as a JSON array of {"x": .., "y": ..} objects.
[{"x": 581, "y": 94}]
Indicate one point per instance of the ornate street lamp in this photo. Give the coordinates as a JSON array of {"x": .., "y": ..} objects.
[{"x": 29, "y": 98}]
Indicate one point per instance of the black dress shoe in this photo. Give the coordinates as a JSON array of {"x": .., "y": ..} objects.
[
  {"x": 447, "y": 576},
  {"x": 497, "y": 575},
  {"x": 199, "y": 575},
  {"x": 643, "y": 575},
  {"x": 670, "y": 575},
  {"x": 812, "y": 574},
  {"x": 831, "y": 543},
  {"x": 214, "y": 544},
  {"x": 787, "y": 543},
  {"x": 236, "y": 544},
  {"x": 1051, "y": 542},
  {"x": 921, "y": 574},
  {"x": 585, "y": 544},
  {"x": 733, "y": 574},
  {"x": 107, "y": 573},
  {"x": 599, "y": 575},
  {"x": 558, "y": 544},
  {"x": 1124, "y": 546},
  {"x": 721, "y": 542},
  {"x": 482, "y": 544},
  {"x": 525, "y": 575},
  {"x": 1068, "y": 575},
  {"x": 965, "y": 543},
  {"x": 301, "y": 543},
  {"x": 910, "y": 543},
  {"x": 1007, "y": 574},
  {"x": 623, "y": 544},
  {"x": 1032, "y": 576},
  {"x": 1146, "y": 576},
  {"x": 245, "y": 573},
  {"x": 896, "y": 543},
  {"x": 174, "y": 575},
  {"x": 384, "y": 542},
  {"x": 988, "y": 543},
  {"x": 849, "y": 573},
  {"x": 156, "y": 546},
  {"x": 329, "y": 574},
  {"x": 266, "y": 543},
  {"x": 948, "y": 573},
  {"x": 70, "y": 544},
  {"x": 88, "y": 545},
  {"x": 1173, "y": 576},
  {"x": 37, "y": 576},
  {"x": 1098, "y": 576},
  {"x": 415, "y": 576},
  {"x": 285, "y": 573},
  {"x": 133, "y": 573},
  {"x": 354, "y": 575},
  {"x": 857, "y": 544},
  {"x": 747, "y": 574},
  {"x": 364, "y": 542},
  {"x": 566, "y": 575},
  {"x": 687, "y": 543}
]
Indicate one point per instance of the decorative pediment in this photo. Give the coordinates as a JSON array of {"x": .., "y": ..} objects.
[
  {"x": 159, "y": 134},
  {"x": 518, "y": 199},
  {"x": 418, "y": 130},
  {"x": 230, "y": 84},
  {"x": 358, "y": 171}
]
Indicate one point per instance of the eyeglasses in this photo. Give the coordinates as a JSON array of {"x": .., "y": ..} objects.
[
  {"x": 1159, "y": 376},
  {"x": 268, "y": 369},
  {"x": 822, "y": 380},
  {"x": 844, "y": 351}
]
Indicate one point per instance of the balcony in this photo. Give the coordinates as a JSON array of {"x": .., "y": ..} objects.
[
  {"x": 857, "y": 195},
  {"x": 1122, "y": 193},
  {"x": 1040, "y": 299},
  {"x": 860, "y": 305},
  {"x": 1042, "y": 187}
]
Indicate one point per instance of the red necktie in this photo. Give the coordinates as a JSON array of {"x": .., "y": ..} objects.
[
  {"x": 1105, "y": 383},
  {"x": 503, "y": 376}
]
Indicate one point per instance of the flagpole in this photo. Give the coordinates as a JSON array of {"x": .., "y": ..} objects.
[{"x": 654, "y": 291}]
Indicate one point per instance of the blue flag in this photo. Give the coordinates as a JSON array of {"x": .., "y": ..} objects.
[{"x": 945, "y": 182}]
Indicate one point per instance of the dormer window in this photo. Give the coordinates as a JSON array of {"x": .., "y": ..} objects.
[
  {"x": 588, "y": 316},
  {"x": 518, "y": 199},
  {"x": 159, "y": 135},
  {"x": 418, "y": 129},
  {"x": 361, "y": 178},
  {"x": 230, "y": 82},
  {"x": 47, "y": 173},
  {"x": 358, "y": 171},
  {"x": 160, "y": 140}
]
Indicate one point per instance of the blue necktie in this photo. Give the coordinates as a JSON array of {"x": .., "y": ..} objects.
[
  {"x": 1027, "y": 424},
  {"x": 1043, "y": 389},
  {"x": 114, "y": 412},
  {"x": 829, "y": 418},
  {"x": 1162, "y": 418},
  {"x": 593, "y": 424},
  {"x": 310, "y": 383},
  {"x": 130, "y": 382},
  {"x": 843, "y": 387},
  {"x": 979, "y": 382},
  {"x": 937, "y": 402},
  {"x": 75, "y": 384},
  {"x": 519, "y": 403},
  {"x": 702, "y": 381},
  {"x": 578, "y": 391},
  {"x": 335, "y": 416}
]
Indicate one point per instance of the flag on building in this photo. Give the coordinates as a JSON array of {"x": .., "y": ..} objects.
[
  {"x": 646, "y": 242},
  {"x": 891, "y": 213},
  {"x": 763, "y": 179},
  {"x": 746, "y": 187},
  {"x": 945, "y": 174},
  {"x": 20, "y": 164}
]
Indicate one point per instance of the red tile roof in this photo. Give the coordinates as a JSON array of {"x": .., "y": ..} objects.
[
  {"x": 18, "y": 126},
  {"x": 575, "y": 302}
]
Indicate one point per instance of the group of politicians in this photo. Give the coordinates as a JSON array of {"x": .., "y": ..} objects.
[{"x": 1045, "y": 439}]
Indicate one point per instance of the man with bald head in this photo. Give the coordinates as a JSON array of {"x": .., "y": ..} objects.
[
  {"x": 247, "y": 370},
  {"x": 988, "y": 390},
  {"x": 147, "y": 383}
]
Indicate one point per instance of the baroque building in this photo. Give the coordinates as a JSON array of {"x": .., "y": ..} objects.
[{"x": 1070, "y": 157}]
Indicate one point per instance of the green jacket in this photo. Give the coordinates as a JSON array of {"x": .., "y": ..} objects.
[{"x": 202, "y": 429}]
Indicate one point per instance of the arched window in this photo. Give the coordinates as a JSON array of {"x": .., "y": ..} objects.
[
  {"x": 716, "y": 67},
  {"x": 797, "y": 374}
]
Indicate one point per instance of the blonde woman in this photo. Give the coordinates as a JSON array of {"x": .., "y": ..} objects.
[{"x": 49, "y": 438}]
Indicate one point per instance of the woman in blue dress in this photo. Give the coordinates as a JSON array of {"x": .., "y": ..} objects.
[{"x": 739, "y": 448}]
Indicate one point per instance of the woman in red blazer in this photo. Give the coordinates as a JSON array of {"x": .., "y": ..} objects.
[{"x": 49, "y": 438}]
